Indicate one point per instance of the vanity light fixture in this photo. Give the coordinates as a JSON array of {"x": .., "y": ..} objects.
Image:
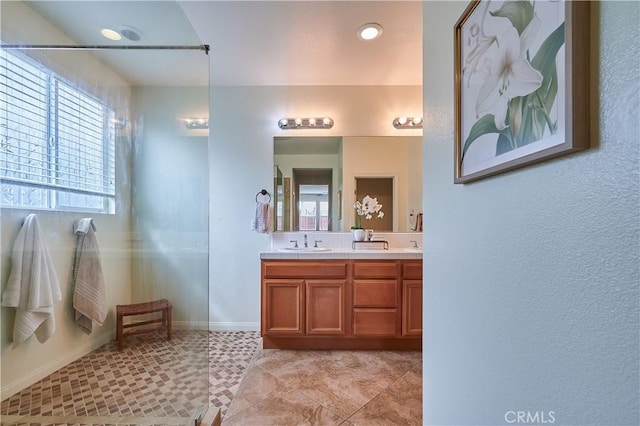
[
  {"x": 407, "y": 123},
  {"x": 196, "y": 123},
  {"x": 370, "y": 31},
  {"x": 305, "y": 123}
]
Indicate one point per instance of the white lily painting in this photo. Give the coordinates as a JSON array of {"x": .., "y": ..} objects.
[{"x": 512, "y": 97}]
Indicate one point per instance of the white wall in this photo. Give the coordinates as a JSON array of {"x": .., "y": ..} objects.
[
  {"x": 531, "y": 277},
  {"x": 244, "y": 122},
  {"x": 29, "y": 361},
  {"x": 170, "y": 203}
]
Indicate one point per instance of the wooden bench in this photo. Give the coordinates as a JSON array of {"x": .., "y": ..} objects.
[{"x": 161, "y": 305}]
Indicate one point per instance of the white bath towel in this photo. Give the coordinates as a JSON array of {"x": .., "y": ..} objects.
[
  {"x": 33, "y": 287},
  {"x": 89, "y": 296},
  {"x": 261, "y": 222}
]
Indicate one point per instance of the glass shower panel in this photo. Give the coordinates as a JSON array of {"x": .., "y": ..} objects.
[{"x": 107, "y": 135}]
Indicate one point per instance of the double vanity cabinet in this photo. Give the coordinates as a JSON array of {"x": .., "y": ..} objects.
[{"x": 341, "y": 304}]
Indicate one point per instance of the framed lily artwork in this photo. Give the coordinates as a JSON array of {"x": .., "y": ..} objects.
[{"x": 521, "y": 84}]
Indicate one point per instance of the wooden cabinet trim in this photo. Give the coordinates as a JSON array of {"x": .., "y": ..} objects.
[{"x": 304, "y": 269}]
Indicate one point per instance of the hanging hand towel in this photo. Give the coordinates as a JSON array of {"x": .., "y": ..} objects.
[
  {"x": 33, "y": 286},
  {"x": 262, "y": 219},
  {"x": 89, "y": 296}
]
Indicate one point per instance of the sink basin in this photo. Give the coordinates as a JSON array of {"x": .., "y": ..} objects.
[
  {"x": 413, "y": 250},
  {"x": 305, "y": 249}
]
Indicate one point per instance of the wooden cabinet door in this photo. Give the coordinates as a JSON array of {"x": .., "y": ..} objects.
[
  {"x": 412, "y": 307},
  {"x": 326, "y": 307},
  {"x": 283, "y": 307}
]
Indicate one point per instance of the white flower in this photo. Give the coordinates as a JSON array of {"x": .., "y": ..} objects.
[
  {"x": 511, "y": 75},
  {"x": 368, "y": 206}
]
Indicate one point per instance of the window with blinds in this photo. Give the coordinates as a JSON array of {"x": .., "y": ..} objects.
[{"x": 57, "y": 144}]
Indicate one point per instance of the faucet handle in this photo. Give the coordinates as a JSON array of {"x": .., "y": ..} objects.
[
  {"x": 316, "y": 243},
  {"x": 295, "y": 243}
]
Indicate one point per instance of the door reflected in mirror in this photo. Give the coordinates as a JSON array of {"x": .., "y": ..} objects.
[
  {"x": 312, "y": 196},
  {"x": 324, "y": 176}
]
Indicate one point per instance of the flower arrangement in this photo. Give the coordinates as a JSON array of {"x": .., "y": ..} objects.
[{"x": 368, "y": 207}]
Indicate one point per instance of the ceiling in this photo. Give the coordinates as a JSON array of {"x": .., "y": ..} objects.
[{"x": 252, "y": 42}]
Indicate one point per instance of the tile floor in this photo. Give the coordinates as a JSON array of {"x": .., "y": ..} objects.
[
  {"x": 329, "y": 388},
  {"x": 150, "y": 382},
  {"x": 156, "y": 382}
]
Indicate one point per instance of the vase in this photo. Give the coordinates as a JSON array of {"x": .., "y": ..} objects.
[{"x": 359, "y": 234}]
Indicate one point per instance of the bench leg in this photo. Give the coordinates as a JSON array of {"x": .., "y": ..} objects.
[
  {"x": 119, "y": 336},
  {"x": 169, "y": 322}
]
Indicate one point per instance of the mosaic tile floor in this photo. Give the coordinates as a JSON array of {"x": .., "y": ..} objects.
[
  {"x": 150, "y": 382},
  {"x": 348, "y": 388}
]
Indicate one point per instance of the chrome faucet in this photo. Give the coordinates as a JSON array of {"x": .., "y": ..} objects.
[{"x": 305, "y": 241}]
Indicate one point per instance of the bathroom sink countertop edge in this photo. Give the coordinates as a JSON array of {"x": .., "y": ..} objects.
[{"x": 341, "y": 253}]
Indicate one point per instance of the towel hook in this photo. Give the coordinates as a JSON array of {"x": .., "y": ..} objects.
[{"x": 263, "y": 193}]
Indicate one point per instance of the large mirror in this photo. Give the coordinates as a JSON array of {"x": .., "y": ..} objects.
[{"x": 317, "y": 181}]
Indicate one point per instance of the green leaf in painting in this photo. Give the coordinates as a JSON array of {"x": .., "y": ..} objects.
[
  {"x": 538, "y": 104},
  {"x": 485, "y": 125},
  {"x": 503, "y": 145},
  {"x": 519, "y": 12},
  {"x": 545, "y": 62}
]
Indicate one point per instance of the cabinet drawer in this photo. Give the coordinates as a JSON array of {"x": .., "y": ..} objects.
[
  {"x": 374, "y": 322},
  {"x": 298, "y": 269},
  {"x": 375, "y": 293},
  {"x": 412, "y": 270},
  {"x": 375, "y": 270}
]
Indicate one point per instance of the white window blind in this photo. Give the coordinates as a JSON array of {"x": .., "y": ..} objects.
[{"x": 57, "y": 144}]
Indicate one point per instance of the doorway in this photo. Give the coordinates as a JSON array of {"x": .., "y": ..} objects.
[{"x": 312, "y": 198}]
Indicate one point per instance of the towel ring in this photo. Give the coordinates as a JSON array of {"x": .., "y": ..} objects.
[{"x": 263, "y": 192}]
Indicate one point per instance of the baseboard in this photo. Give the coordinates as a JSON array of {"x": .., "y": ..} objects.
[
  {"x": 55, "y": 365},
  {"x": 234, "y": 326},
  {"x": 189, "y": 325}
]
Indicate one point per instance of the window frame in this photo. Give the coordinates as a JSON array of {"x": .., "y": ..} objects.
[{"x": 58, "y": 90}]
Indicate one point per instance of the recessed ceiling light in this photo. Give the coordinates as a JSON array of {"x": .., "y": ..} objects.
[
  {"x": 110, "y": 34},
  {"x": 370, "y": 31},
  {"x": 130, "y": 33}
]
